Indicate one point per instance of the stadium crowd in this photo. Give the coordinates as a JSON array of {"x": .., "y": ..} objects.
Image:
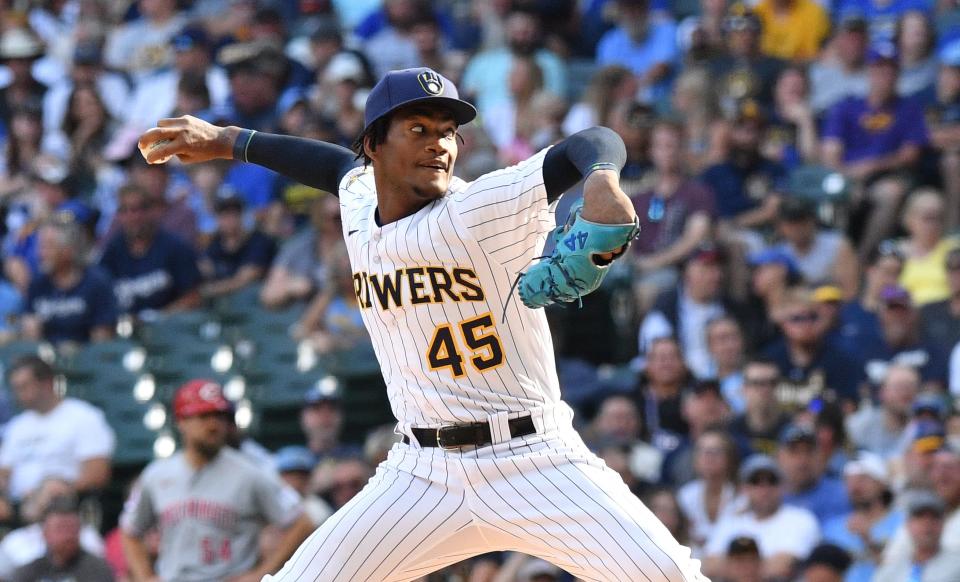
[{"x": 774, "y": 368}]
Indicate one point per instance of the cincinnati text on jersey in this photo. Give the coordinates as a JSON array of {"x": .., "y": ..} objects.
[{"x": 416, "y": 286}]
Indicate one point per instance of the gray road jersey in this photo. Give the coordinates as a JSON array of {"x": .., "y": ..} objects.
[{"x": 210, "y": 519}]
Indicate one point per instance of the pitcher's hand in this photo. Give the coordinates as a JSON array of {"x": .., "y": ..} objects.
[{"x": 189, "y": 138}]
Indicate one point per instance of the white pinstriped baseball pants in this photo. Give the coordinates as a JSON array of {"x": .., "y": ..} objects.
[{"x": 545, "y": 495}]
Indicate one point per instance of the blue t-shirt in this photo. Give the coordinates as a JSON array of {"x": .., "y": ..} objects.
[
  {"x": 836, "y": 532},
  {"x": 738, "y": 189},
  {"x": 868, "y": 133},
  {"x": 834, "y": 372},
  {"x": 883, "y": 16},
  {"x": 856, "y": 327},
  {"x": 928, "y": 358},
  {"x": 827, "y": 499},
  {"x": 659, "y": 47},
  {"x": 257, "y": 251},
  {"x": 255, "y": 184},
  {"x": 167, "y": 271},
  {"x": 71, "y": 314}
]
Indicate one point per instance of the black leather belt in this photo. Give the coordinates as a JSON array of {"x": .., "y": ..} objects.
[{"x": 476, "y": 434}]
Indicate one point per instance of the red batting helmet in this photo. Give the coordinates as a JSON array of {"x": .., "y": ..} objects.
[{"x": 200, "y": 397}]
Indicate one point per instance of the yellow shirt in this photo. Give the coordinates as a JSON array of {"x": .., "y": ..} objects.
[
  {"x": 926, "y": 278},
  {"x": 797, "y": 34}
]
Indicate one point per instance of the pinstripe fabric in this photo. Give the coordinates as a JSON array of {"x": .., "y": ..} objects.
[
  {"x": 544, "y": 495},
  {"x": 433, "y": 288}
]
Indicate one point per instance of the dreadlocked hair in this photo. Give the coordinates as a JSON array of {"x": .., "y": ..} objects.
[{"x": 376, "y": 133}]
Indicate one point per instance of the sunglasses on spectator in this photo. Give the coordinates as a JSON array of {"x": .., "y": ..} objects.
[
  {"x": 806, "y": 317},
  {"x": 764, "y": 479}
]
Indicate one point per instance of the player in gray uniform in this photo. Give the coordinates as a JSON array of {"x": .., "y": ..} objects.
[
  {"x": 209, "y": 502},
  {"x": 489, "y": 459}
]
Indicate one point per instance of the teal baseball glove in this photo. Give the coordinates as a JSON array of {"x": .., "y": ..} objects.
[{"x": 575, "y": 268}]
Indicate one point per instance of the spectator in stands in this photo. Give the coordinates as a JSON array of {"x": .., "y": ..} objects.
[
  {"x": 695, "y": 102},
  {"x": 876, "y": 141},
  {"x": 68, "y": 301},
  {"x": 301, "y": 265},
  {"x": 826, "y": 563},
  {"x": 295, "y": 464},
  {"x": 882, "y": 430},
  {"x": 663, "y": 504},
  {"x": 916, "y": 40},
  {"x": 338, "y": 482},
  {"x": 608, "y": 86},
  {"x": 758, "y": 429},
  {"x": 764, "y": 519},
  {"x": 392, "y": 46},
  {"x": 822, "y": 256},
  {"x": 791, "y": 138},
  {"x": 805, "y": 484},
  {"x": 872, "y": 521},
  {"x": 833, "y": 447},
  {"x": 617, "y": 421},
  {"x": 53, "y": 436},
  {"x": 647, "y": 46},
  {"x": 901, "y": 342},
  {"x": 746, "y": 184},
  {"x": 743, "y": 563},
  {"x": 828, "y": 300},
  {"x": 24, "y": 144},
  {"x": 142, "y": 46},
  {"x": 26, "y": 544},
  {"x": 703, "y": 408},
  {"x": 943, "y": 116},
  {"x": 168, "y": 197},
  {"x": 487, "y": 72},
  {"x": 340, "y": 96},
  {"x": 774, "y": 273},
  {"x": 812, "y": 366},
  {"x": 155, "y": 97},
  {"x": 257, "y": 71},
  {"x": 941, "y": 319},
  {"x": 882, "y": 270},
  {"x": 88, "y": 128},
  {"x": 509, "y": 124},
  {"x": 944, "y": 473},
  {"x": 684, "y": 311},
  {"x": 726, "y": 345},
  {"x": 924, "y": 271},
  {"x": 321, "y": 420},
  {"x": 659, "y": 393},
  {"x": 236, "y": 257},
  {"x": 86, "y": 69},
  {"x": 152, "y": 269},
  {"x": 19, "y": 50},
  {"x": 679, "y": 212},
  {"x": 743, "y": 71},
  {"x": 793, "y": 30},
  {"x": 633, "y": 122},
  {"x": 700, "y": 35},
  {"x": 709, "y": 497},
  {"x": 332, "y": 320},
  {"x": 231, "y": 505},
  {"x": 929, "y": 560},
  {"x": 65, "y": 558}
]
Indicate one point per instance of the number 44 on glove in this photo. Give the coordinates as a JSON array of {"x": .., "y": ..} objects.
[{"x": 575, "y": 268}]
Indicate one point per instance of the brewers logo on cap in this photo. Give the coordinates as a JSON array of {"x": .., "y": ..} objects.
[{"x": 431, "y": 82}]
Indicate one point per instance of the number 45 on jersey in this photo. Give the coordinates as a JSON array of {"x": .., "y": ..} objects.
[{"x": 479, "y": 338}]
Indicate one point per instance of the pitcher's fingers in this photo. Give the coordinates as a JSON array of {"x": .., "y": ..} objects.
[
  {"x": 172, "y": 122},
  {"x": 162, "y": 149},
  {"x": 156, "y": 134}
]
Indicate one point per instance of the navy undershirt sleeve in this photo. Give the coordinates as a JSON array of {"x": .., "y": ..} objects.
[
  {"x": 315, "y": 163},
  {"x": 569, "y": 161}
]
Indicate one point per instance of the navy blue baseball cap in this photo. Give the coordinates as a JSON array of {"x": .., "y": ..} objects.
[{"x": 420, "y": 85}]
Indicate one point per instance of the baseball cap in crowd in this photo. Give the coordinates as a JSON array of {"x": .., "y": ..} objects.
[
  {"x": 20, "y": 43},
  {"x": 743, "y": 546},
  {"x": 920, "y": 501},
  {"x": 895, "y": 295},
  {"x": 829, "y": 555},
  {"x": 741, "y": 17},
  {"x": 928, "y": 436},
  {"x": 419, "y": 85},
  {"x": 775, "y": 256},
  {"x": 797, "y": 209},
  {"x": 294, "y": 458},
  {"x": 706, "y": 386},
  {"x": 882, "y": 52},
  {"x": 707, "y": 252},
  {"x": 929, "y": 403},
  {"x": 190, "y": 37},
  {"x": 756, "y": 464},
  {"x": 748, "y": 111},
  {"x": 827, "y": 294},
  {"x": 326, "y": 29},
  {"x": 87, "y": 53},
  {"x": 344, "y": 66},
  {"x": 852, "y": 19},
  {"x": 869, "y": 464},
  {"x": 200, "y": 397},
  {"x": 326, "y": 389},
  {"x": 227, "y": 198},
  {"x": 797, "y": 433}
]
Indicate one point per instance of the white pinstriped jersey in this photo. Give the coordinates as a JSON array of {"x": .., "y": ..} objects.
[{"x": 433, "y": 287}]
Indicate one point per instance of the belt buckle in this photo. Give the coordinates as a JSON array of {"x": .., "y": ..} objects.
[{"x": 441, "y": 445}]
